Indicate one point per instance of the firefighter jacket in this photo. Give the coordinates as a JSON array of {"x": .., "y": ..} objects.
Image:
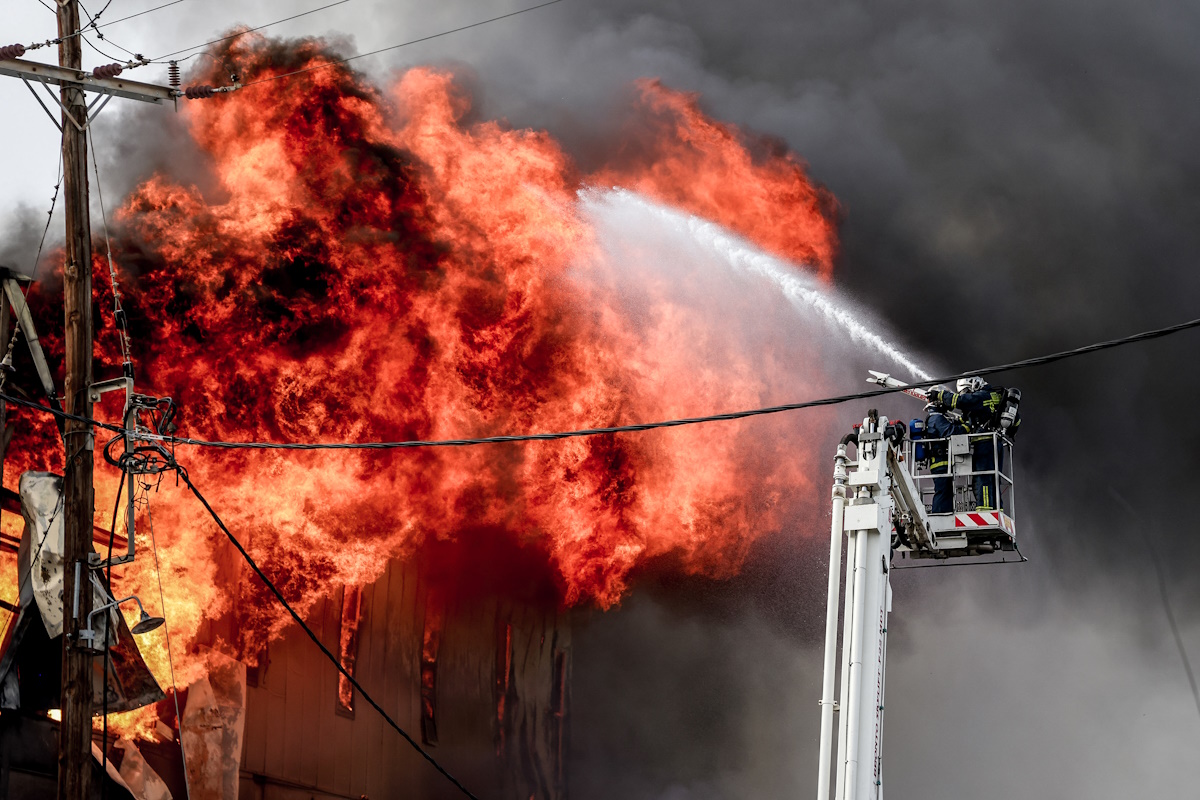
[
  {"x": 939, "y": 426},
  {"x": 980, "y": 409}
]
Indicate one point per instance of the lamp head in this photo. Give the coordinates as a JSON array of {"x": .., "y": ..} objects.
[{"x": 146, "y": 623}]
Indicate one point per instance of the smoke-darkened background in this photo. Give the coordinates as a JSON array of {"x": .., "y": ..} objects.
[{"x": 1014, "y": 179}]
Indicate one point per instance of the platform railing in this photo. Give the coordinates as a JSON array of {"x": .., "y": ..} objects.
[{"x": 962, "y": 454}]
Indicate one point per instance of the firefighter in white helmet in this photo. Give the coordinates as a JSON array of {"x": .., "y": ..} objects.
[{"x": 985, "y": 409}]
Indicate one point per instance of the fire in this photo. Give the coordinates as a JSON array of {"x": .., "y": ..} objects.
[
  {"x": 379, "y": 266},
  {"x": 9, "y": 580},
  {"x": 678, "y": 155}
]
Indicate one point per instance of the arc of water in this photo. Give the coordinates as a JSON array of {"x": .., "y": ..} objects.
[{"x": 800, "y": 288}]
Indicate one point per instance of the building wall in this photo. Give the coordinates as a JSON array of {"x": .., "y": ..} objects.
[{"x": 500, "y": 700}]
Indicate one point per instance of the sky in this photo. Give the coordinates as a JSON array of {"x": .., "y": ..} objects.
[{"x": 1014, "y": 179}]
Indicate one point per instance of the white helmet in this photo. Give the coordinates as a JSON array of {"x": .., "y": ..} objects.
[{"x": 971, "y": 384}]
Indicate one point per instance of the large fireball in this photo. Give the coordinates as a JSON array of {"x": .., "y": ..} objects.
[{"x": 377, "y": 265}]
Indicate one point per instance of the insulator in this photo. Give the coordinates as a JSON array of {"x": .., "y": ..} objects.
[
  {"x": 173, "y": 74},
  {"x": 12, "y": 51},
  {"x": 108, "y": 71},
  {"x": 199, "y": 92}
]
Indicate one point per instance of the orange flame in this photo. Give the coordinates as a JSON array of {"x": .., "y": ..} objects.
[
  {"x": 678, "y": 155},
  {"x": 377, "y": 266}
]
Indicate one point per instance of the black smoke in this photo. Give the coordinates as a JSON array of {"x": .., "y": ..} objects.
[{"x": 1015, "y": 178}]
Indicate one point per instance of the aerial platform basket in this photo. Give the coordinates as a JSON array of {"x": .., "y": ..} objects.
[{"x": 969, "y": 530}]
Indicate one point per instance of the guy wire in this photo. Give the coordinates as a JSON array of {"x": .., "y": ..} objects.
[
  {"x": 118, "y": 312},
  {"x": 333, "y": 659},
  {"x": 162, "y": 603}
]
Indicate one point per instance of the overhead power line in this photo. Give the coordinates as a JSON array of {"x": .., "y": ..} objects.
[
  {"x": 93, "y": 24},
  {"x": 1036, "y": 361},
  {"x": 334, "y": 63},
  {"x": 249, "y": 30},
  {"x": 137, "y": 59},
  {"x": 333, "y": 659},
  {"x": 138, "y": 14}
]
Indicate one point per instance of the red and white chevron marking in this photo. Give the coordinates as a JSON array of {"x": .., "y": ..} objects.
[{"x": 983, "y": 519}]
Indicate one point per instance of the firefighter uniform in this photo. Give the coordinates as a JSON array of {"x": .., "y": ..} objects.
[
  {"x": 939, "y": 426},
  {"x": 981, "y": 414}
]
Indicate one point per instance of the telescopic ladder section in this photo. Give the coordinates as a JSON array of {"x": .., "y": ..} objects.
[
  {"x": 862, "y": 510},
  {"x": 878, "y": 506}
]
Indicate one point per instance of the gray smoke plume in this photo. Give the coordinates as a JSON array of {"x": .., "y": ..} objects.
[{"x": 1015, "y": 179}]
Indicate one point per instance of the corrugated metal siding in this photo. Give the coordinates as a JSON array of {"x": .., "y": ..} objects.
[{"x": 296, "y": 742}]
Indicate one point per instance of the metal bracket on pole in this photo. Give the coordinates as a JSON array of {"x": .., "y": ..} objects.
[
  {"x": 117, "y": 87},
  {"x": 81, "y": 128},
  {"x": 98, "y": 104},
  {"x": 42, "y": 103},
  {"x": 112, "y": 385},
  {"x": 99, "y": 101}
]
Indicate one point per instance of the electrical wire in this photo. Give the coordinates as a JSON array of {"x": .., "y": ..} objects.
[
  {"x": 112, "y": 533},
  {"x": 136, "y": 61},
  {"x": 1027, "y": 363},
  {"x": 675, "y": 423},
  {"x": 93, "y": 26},
  {"x": 162, "y": 604},
  {"x": 138, "y": 14},
  {"x": 92, "y": 18},
  {"x": 1152, "y": 553},
  {"x": 398, "y": 46},
  {"x": 248, "y": 30},
  {"x": 333, "y": 659},
  {"x": 119, "y": 319}
]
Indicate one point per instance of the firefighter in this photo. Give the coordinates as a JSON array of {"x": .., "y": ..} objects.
[
  {"x": 986, "y": 409},
  {"x": 939, "y": 424}
]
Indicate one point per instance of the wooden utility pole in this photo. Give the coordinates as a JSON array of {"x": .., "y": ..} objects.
[
  {"x": 75, "y": 732},
  {"x": 75, "y": 735}
]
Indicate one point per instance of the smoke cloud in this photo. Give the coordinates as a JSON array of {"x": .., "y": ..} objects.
[{"x": 1013, "y": 179}]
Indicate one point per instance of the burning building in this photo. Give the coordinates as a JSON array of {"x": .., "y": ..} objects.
[{"x": 364, "y": 265}]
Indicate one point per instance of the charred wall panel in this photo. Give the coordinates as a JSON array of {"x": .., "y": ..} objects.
[{"x": 503, "y": 743}]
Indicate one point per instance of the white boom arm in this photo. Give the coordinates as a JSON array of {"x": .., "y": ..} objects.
[
  {"x": 878, "y": 505},
  {"x": 869, "y": 496}
]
